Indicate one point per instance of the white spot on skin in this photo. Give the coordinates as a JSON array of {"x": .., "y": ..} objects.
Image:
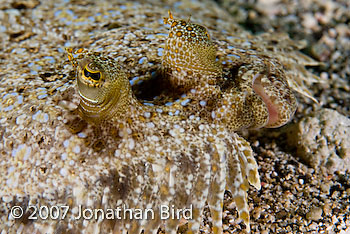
[
  {"x": 159, "y": 149},
  {"x": 155, "y": 138},
  {"x": 203, "y": 103},
  {"x": 172, "y": 133},
  {"x": 142, "y": 60},
  {"x": 63, "y": 172},
  {"x": 66, "y": 143},
  {"x": 20, "y": 99},
  {"x": 195, "y": 226},
  {"x": 246, "y": 44},
  {"x": 134, "y": 80},
  {"x": 10, "y": 182},
  {"x": 46, "y": 117},
  {"x": 147, "y": 114},
  {"x": 8, "y": 108},
  {"x": 177, "y": 141},
  {"x": 42, "y": 96},
  {"x": 156, "y": 168},
  {"x": 149, "y": 36},
  {"x": 22, "y": 151},
  {"x": 20, "y": 119},
  {"x": 81, "y": 135},
  {"x": 10, "y": 170},
  {"x": 7, "y": 199},
  {"x": 117, "y": 153},
  {"x": 129, "y": 37},
  {"x": 119, "y": 202},
  {"x": 160, "y": 52},
  {"x": 41, "y": 117},
  {"x": 64, "y": 156},
  {"x": 150, "y": 125},
  {"x": 140, "y": 179},
  {"x": 185, "y": 102},
  {"x": 148, "y": 104},
  {"x": 8, "y": 95},
  {"x": 138, "y": 191},
  {"x": 76, "y": 149},
  {"x": 131, "y": 144},
  {"x": 27, "y": 154}
]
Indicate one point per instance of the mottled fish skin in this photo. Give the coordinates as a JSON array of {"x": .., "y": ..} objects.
[
  {"x": 256, "y": 96},
  {"x": 164, "y": 159},
  {"x": 91, "y": 166}
]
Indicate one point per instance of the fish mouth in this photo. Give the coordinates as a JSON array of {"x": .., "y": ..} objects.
[{"x": 273, "y": 108}]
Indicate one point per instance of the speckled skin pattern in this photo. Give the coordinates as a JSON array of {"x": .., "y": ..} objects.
[
  {"x": 50, "y": 156},
  {"x": 107, "y": 102},
  {"x": 257, "y": 96},
  {"x": 169, "y": 160}
]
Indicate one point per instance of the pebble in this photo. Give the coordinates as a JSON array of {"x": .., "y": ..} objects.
[
  {"x": 315, "y": 214},
  {"x": 327, "y": 209},
  {"x": 325, "y": 187},
  {"x": 322, "y": 139}
]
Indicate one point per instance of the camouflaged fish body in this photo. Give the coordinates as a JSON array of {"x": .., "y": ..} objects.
[
  {"x": 152, "y": 155},
  {"x": 257, "y": 94},
  {"x": 195, "y": 151},
  {"x": 164, "y": 160},
  {"x": 181, "y": 157}
]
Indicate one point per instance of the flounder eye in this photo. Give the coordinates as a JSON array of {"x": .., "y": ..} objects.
[{"x": 94, "y": 75}]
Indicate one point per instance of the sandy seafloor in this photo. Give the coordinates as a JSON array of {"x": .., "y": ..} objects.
[{"x": 294, "y": 198}]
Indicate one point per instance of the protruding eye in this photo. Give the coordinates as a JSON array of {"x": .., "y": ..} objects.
[{"x": 95, "y": 75}]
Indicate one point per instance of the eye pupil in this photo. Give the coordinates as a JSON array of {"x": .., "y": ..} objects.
[
  {"x": 93, "y": 75},
  {"x": 86, "y": 73}
]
